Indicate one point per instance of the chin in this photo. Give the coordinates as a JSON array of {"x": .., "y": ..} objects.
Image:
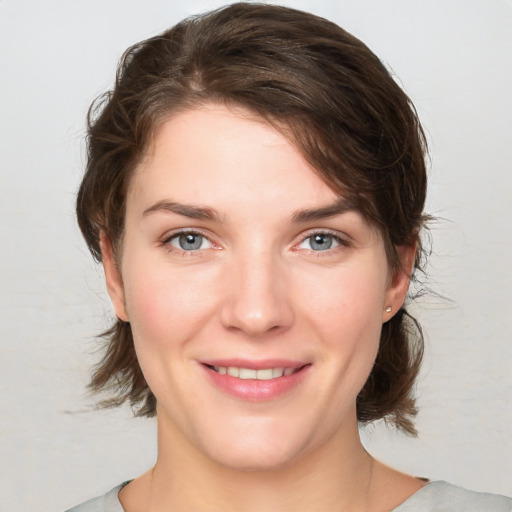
[
  {"x": 255, "y": 458},
  {"x": 266, "y": 449}
]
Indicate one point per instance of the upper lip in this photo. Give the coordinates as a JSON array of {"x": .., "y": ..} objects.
[{"x": 255, "y": 364}]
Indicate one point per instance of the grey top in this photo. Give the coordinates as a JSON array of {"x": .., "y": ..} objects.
[{"x": 436, "y": 496}]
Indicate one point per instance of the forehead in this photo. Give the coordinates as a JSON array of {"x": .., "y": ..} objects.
[{"x": 226, "y": 157}]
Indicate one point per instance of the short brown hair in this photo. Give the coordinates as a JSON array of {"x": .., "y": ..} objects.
[{"x": 334, "y": 100}]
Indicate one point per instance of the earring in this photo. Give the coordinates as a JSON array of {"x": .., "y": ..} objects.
[{"x": 389, "y": 309}]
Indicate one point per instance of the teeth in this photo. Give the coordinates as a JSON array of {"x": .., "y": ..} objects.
[
  {"x": 248, "y": 373},
  {"x": 233, "y": 371},
  {"x": 266, "y": 374}
]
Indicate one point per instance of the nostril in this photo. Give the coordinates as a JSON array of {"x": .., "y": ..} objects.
[{"x": 255, "y": 301}]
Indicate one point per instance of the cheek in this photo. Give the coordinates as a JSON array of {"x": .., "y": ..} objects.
[
  {"x": 347, "y": 315},
  {"x": 167, "y": 309},
  {"x": 349, "y": 298},
  {"x": 165, "y": 305}
]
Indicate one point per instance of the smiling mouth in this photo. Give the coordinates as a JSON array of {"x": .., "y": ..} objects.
[
  {"x": 256, "y": 381},
  {"x": 249, "y": 373}
]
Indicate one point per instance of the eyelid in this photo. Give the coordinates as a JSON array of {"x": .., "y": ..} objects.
[
  {"x": 166, "y": 239},
  {"x": 343, "y": 239}
]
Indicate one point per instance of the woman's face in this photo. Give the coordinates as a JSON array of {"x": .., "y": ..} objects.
[{"x": 255, "y": 295}]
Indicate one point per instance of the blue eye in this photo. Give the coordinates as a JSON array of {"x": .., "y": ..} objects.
[
  {"x": 320, "y": 242},
  {"x": 190, "y": 241}
]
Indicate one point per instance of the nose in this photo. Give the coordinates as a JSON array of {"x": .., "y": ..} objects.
[{"x": 257, "y": 299}]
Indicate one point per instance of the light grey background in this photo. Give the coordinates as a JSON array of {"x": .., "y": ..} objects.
[{"x": 454, "y": 59}]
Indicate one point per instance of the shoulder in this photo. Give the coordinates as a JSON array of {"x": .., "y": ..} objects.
[
  {"x": 109, "y": 502},
  {"x": 443, "y": 497}
]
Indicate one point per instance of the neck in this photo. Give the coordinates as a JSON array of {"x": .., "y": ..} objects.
[{"x": 334, "y": 476}]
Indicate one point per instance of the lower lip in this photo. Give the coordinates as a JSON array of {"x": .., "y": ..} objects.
[{"x": 254, "y": 390}]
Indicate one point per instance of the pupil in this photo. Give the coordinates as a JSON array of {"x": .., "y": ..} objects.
[
  {"x": 190, "y": 241},
  {"x": 321, "y": 242}
]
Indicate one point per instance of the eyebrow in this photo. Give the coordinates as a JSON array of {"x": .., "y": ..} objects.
[
  {"x": 342, "y": 205},
  {"x": 205, "y": 213},
  {"x": 193, "y": 212}
]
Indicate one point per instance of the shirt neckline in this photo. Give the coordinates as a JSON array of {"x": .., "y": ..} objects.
[{"x": 409, "y": 501}]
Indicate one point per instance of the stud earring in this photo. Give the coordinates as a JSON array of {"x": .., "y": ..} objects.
[{"x": 389, "y": 309}]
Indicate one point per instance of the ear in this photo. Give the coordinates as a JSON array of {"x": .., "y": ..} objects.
[
  {"x": 113, "y": 277},
  {"x": 399, "y": 284}
]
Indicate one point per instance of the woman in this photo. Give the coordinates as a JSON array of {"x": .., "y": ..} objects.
[{"x": 255, "y": 191}]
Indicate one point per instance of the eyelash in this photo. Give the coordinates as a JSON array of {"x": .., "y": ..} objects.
[
  {"x": 342, "y": 241},
  {"x": 166, "y": 242}
]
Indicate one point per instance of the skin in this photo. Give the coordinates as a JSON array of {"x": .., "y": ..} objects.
[{"x": 256, "y": 288}]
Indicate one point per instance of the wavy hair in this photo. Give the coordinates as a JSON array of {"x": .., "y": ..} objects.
[{"x": 334, "y": 100}]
